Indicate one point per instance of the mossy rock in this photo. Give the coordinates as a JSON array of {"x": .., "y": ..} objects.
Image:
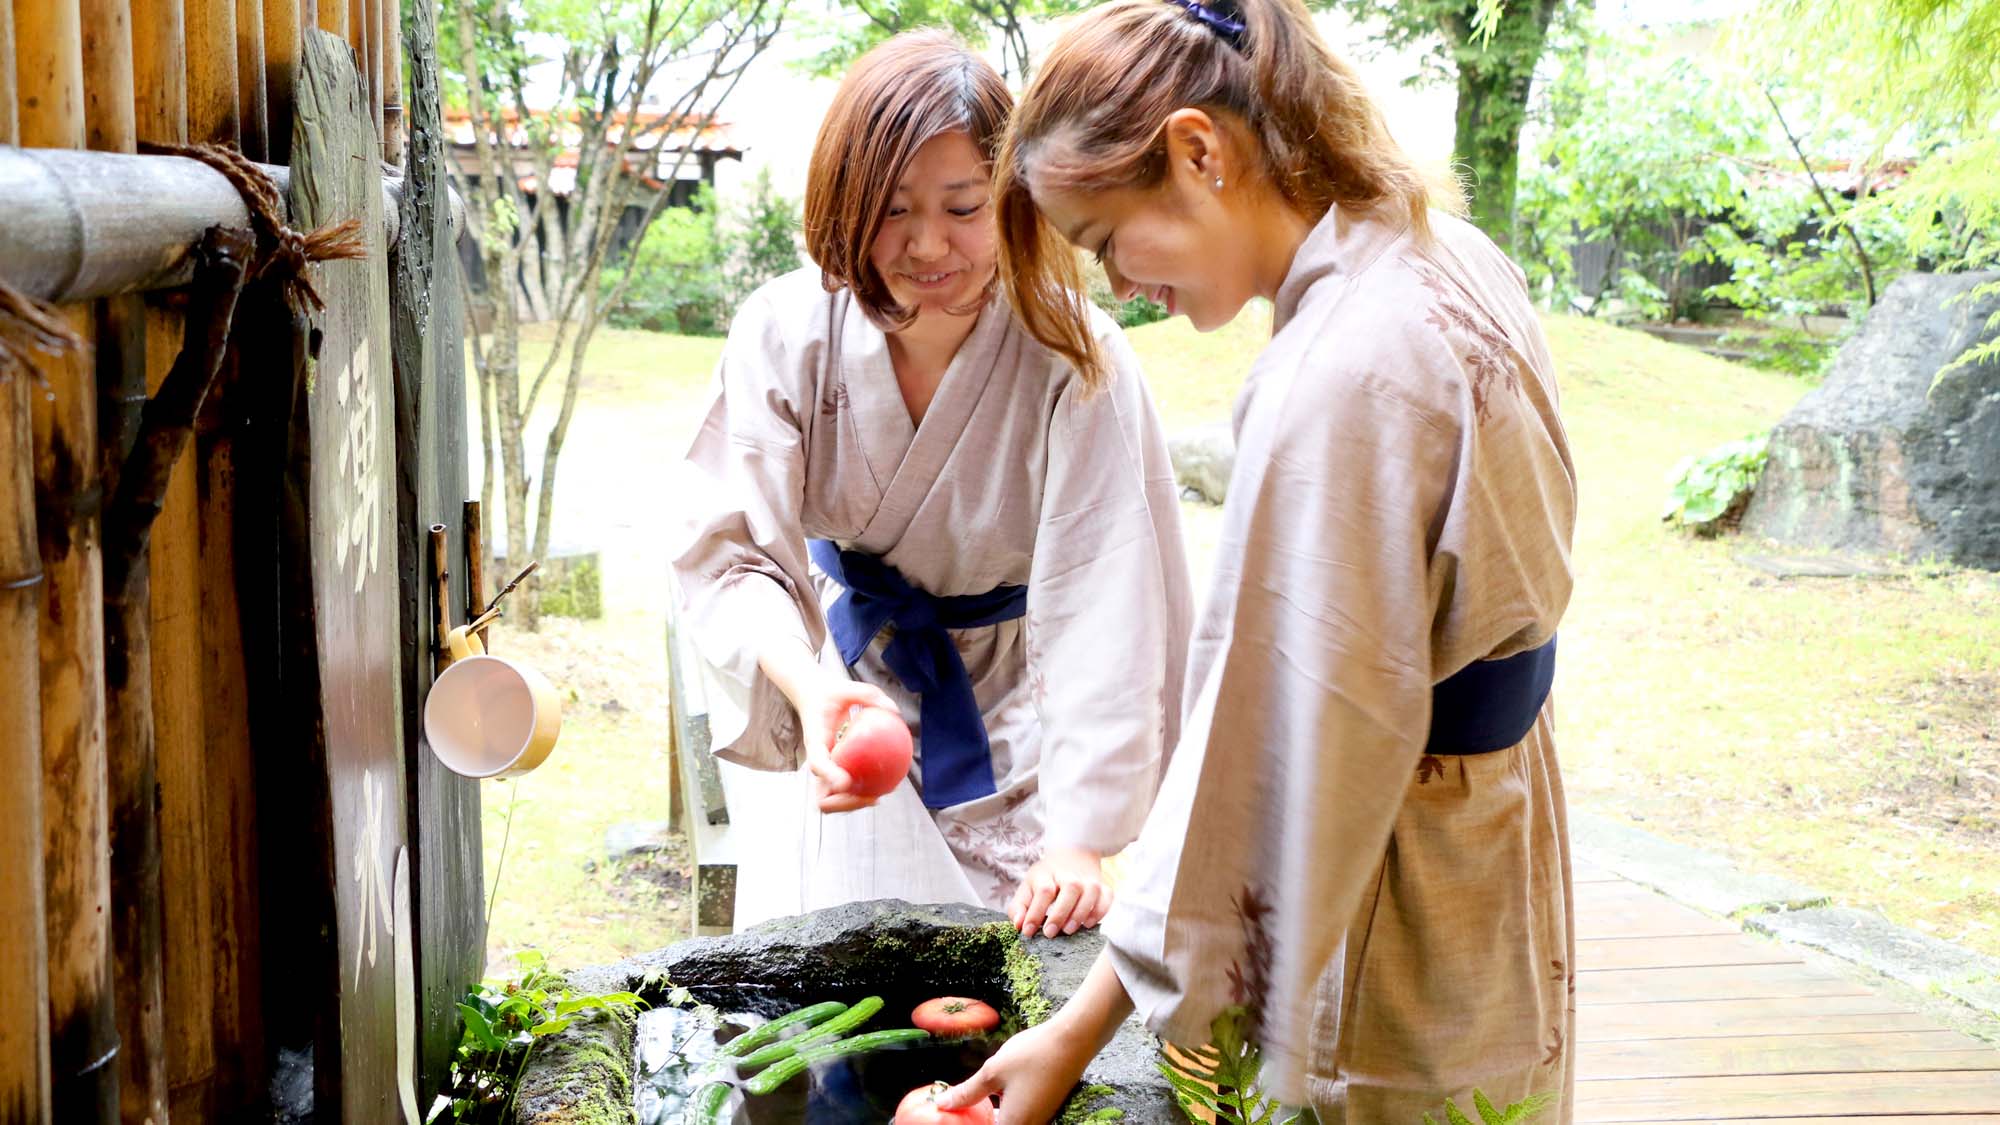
[{"x": 901, "y": 952}]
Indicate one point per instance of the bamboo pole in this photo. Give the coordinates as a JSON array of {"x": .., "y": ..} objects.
[
  {"x": 251, "y": 91},
  {"x": 475, "y": 564},
  {"x": 282, "y": 21},
  {"x": 24, "y": 991},
  {"x": 138, "y": 969},
  {"x": 213, "y": 112},
  {"x": 392, "y": 82},
  {"x": 48, "y": 41},
  {"x": 211, "y": 773},
  {"x": 159, "y": 71},
  {"x": 10, "y": 123},
  {"x": 332, "y": 15},
  {"x": 361, "y": 36}
]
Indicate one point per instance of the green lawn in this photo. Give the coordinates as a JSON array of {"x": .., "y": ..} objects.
[{"x": 1842, "y": 732}]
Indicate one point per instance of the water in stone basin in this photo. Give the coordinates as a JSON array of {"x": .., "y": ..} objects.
[{"x": 677, "y": 1046}]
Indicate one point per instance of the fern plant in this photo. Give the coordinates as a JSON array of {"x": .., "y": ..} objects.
[
  {"x": 1221, "y": 1079},
  {"x": 1519, "y": 1113}
]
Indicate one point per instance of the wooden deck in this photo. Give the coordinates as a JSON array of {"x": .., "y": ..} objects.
[{"x": 1682, "y": 1017}]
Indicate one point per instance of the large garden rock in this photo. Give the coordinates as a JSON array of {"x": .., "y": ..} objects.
[
  {"x": 882, "y": 946},
  {"x": 1203, "y": 457},
  {"x": 1878, "y": 460}
]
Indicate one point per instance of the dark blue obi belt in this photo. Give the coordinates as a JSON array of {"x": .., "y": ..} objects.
[
  {"x": 958, "y": 760},
  {"x": 1491, "y": 704}
]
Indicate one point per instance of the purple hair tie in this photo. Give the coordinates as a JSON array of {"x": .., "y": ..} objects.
[{"x": 1227, "y": 26}]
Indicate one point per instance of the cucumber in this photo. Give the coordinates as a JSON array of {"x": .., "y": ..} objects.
[
  {"x": 783, "y": 1071},
  {"x": 821, "y": 1034},
  {"x": 708, "y": 1104},
  {"x": 758, "y": 1036}
]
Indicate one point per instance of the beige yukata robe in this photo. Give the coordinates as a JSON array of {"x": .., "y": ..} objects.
[
  {"x": 1015, "y": 476},
  {"x": 1401, "y": 505}
]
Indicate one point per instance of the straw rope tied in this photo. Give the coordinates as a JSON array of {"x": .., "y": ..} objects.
[
  {"x": 28, "y": 326},
  {"x": 282, "y": 253},
  {"x": 1221, "y": 17}
]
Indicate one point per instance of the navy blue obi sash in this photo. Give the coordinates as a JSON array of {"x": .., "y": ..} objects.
[
  {"x": 1491, "y": 704},
  {"x": 958, "y": 760}
]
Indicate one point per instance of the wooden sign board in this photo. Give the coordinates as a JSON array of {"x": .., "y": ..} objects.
[{"x": 336, "y": 174}]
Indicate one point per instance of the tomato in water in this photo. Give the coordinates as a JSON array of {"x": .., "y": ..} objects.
[
  {"x": 952, "y": 1016},
  {"x": 919, "y": 1107},
  {"x": 874, "y": 748}
]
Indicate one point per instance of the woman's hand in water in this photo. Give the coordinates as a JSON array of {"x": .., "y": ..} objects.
[
  {"x": 1034, "y": 1071},
  {"x": 823, "y": 708},
  {"x": 1062, "y": 894}
]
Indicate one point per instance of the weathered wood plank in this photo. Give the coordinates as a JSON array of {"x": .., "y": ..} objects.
[
  {"x": 1800, "y": 1015},
  {"x": 1816, "y": 1053},
  {"x": 352, "y": 407},
  {"x": 1718, "y": 982},
  {"x": 447, "y": 879},
  {"x": 1657, "y": 953},
  {"x": 24, "y": 991},
  {"x": 1641, "y": 918},
  {"x": 1724, "y": 1098}
]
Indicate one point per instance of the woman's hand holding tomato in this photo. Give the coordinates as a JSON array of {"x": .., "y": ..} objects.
[
  {"x": 830, "y": 705},
  {"x": 919, "y": 1107},
  {"x": 1063, "y": 893}
]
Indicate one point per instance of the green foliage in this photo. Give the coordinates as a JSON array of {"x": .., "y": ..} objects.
[
  {"x": 695, "y": 264},
  {"x": 1637, "y": 152},
  {"x": 853, "y": 26},
  {"x": 1710, "y": 490},
  {"x": 1517, "y": 1114},
  {"x": 503, "y": 1022},
  {"x": 1219, "y": 1082},
  {"x": 1128, "y": 314}
]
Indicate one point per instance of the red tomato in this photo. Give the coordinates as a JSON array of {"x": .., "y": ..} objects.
[
  {"x": 874, "y": 748},
  {"x": 919, "y": 1107},
  {"x": 952, "y": 1016}
]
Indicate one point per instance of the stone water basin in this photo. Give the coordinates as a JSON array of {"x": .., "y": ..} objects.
[{"x": 610, "y": 1070}]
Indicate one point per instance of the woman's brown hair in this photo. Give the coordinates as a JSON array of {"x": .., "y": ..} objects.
[
  {"x": 1094, "y": 117},
  {"x": 895, "y": 98}
]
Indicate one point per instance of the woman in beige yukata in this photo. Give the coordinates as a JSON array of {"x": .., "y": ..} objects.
[
  {"x": 1361, "y": 837},
  {"x": 900, "y": 499}
]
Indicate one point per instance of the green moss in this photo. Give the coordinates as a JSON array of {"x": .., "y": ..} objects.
[
  {"x": 589, "y": 1070},
  {"x": 1024, "y": 979},
  {"x": 579, "y": 594},
  {"x": 1078, "y": 1110}
]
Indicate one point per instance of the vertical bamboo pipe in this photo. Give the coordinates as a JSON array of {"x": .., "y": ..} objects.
[
  {"x": 159, "y": 73},
  {"x": 138, "y": 968},
  {"x": 250, "y": 89},
  {"x": 475, "y": 564},
  {"x": 392, "y": 82},
  {"x": 361, "y": 36},
  {"x": 10, "y": 124},
  {"x": 213, "y": 113},
  {"x": 282, "y": 22},
  {"x": 83, "y": 1036},
  {"x": 24, "y": 991},
  {"x": 174, "y": 618},
  {"x": 213, "y": 991},
  {"x": 332, "y": 16}
]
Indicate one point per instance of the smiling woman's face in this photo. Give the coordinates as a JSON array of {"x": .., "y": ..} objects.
[
  {"x": 1177, "y": 244},
  {"x": 937, "y": 246}
]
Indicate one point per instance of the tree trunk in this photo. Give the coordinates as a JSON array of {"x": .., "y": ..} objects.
[{"x": 1495, "y": 78}]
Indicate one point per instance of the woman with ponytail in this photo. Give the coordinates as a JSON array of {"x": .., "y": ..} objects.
[
  {"x": 1360, "y": 848},
  {"x": 900, "y": 499}
]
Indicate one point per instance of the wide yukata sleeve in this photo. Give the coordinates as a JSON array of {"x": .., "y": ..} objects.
[
  {"x": 1109, "y": 610},
  {"x": 739, "y": 554},
  {"x": 1307, "y": 729}
]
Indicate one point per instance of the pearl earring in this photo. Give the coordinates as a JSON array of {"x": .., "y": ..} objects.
[{"x": 1218, "y": 183}]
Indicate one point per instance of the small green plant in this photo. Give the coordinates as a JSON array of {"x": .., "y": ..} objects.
[
  {"x": 1517, "y": 1114},
  {"x": 503, "y": 1022},
  {"x": 1711, "y": 490},
  {"x": 1219, "y": 1082}
]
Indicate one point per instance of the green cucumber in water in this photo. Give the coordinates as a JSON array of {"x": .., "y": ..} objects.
[
  {"x": 820, "y": 1034},
  {"x": 758, "y": 1036},
  {"x": 708, "y": 1103},
  {"x": 783, "y": 1071}
]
